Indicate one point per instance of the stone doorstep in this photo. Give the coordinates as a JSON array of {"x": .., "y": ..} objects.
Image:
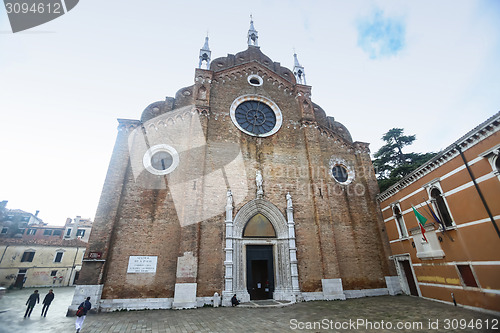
[{"x": 269, "y": 303}]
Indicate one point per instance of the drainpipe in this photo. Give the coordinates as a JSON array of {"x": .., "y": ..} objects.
[
  {"x": 73, "y": 267},
  {"x": 3, "y": 253},
  {"x": 479, "y": 191}
]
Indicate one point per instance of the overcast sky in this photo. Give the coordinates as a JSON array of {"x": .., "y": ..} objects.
[{"x": 430, "y": 67}]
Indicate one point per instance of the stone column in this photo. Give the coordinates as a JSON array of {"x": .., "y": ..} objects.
[{"x": 229, "y": 250}]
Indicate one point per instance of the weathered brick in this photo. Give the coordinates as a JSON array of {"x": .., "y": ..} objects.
[{"x": 339, "y": 229}]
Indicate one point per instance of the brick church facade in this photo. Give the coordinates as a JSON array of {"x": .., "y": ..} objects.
[{"x": 238, "y": 185}]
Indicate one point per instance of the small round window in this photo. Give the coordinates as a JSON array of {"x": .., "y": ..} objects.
[
  {"x": 161, "y": 159},
  {"x": 339, "y": 172},
  {"x": 255, "y": 80}
]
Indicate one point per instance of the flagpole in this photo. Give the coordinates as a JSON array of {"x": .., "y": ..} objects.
[
  {"x": 420, "y": 223},
  {"x": 478, "y": 191},
  {"x": 427, "y": 211}
]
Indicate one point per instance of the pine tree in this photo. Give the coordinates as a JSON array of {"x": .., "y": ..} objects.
[{"x": 391, "y": 164}]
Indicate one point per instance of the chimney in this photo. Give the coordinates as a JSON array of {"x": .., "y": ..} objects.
[{"x": 36, "y": 213}]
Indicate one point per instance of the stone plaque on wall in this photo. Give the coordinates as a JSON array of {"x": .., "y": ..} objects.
[
  {"x": 142, "y": 264},
  {"x": 187, "y": 266}
]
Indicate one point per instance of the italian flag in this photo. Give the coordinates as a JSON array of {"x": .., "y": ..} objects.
[{"x": 421, "y": 221}]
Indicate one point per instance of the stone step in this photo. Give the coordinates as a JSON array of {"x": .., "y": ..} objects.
[{"x": 265, "y": 303}]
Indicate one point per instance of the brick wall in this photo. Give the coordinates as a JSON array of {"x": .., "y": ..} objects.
[{"x": 339, "y": 230}]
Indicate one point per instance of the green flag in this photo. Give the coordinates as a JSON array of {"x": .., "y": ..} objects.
[{"x": 419, "y": 216}]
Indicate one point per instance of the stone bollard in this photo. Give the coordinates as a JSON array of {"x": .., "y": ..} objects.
[{"x": 216, "y": 300}]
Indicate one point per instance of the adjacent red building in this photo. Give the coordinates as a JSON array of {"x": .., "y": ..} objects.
[{"x": 460, "y": 259}]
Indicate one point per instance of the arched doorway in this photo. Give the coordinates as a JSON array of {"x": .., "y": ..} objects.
[
  {"x": 259, "y": 258},
  {"x": 261, "y": 253}
]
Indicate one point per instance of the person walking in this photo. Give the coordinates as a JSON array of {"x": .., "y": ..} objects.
[
  {"x": 85, "y": 306},
  {"x": 46, "y": 302},
  {"x": 32, "y": 300}
]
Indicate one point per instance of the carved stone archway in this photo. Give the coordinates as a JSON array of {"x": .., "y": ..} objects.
[{"x": 285, "y": 265}]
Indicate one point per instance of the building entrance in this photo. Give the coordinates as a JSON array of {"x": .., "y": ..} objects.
[
  {"x": 260, "y": 271},
  {"x": 21, "y": 278},
  {"x": 409, "y": 277}
]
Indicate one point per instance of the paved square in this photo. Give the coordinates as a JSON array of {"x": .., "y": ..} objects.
[{"x": 382, "y": 313}]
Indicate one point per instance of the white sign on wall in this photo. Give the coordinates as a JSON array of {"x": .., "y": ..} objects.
[{"x": 142, "y": 264}]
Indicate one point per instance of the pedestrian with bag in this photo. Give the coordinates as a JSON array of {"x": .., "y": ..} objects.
[
  {"x": 46, "y": 302},
  {"x": 82, "y": 313}
]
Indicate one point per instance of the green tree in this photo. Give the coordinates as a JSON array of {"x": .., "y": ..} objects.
[{"x": 391, "y": 164}]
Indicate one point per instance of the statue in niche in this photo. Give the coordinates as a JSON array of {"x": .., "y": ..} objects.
[
  {"x": 258, "y": 181},
  {"x": 288, "y": 200},
  {"x": 229, "y": 198}
]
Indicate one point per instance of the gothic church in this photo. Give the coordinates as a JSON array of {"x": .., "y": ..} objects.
[{"x": 242, "y": 185}]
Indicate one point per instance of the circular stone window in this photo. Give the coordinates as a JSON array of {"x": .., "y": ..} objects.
[
  {"x": 255, "y": 80},
  {"x": 341, "y": 171},
  {"x": 161, "y": 159},
  {"x": 256, "y": 115}
]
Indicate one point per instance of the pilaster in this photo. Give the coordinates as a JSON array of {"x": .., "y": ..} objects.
[
  {"x": 294, "y": 272},
  {"x": 202, "y": 87},
  {"x": 303, "y": 96},
  {"x": 102, "y": 230},
  {"x": 94, "y": 267},
  {"x": 229, "y": 250}
]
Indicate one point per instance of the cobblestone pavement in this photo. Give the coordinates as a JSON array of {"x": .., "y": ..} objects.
[{"x": 380, "y": 312}]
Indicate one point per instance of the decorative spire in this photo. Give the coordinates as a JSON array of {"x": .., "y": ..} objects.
[
  {"x": 205, "y": 54},
  {"x": 298, "y": 70},
  {"x": 253, "y": 35}
]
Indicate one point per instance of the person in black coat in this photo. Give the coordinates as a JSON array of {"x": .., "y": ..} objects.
[
  {"x": 234, "y": 301},
  {"x": 46, "y": 302},
  {"x": 32, "y": 300}
]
